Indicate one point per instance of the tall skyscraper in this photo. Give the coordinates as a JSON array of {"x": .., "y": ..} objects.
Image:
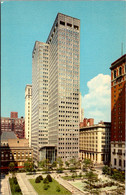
[
  {"x": 40, "y": 63},
  {"x": 118, "y": 113},
  {"x": 63, "y": 89},
  {"x": 28, "y": 97}
]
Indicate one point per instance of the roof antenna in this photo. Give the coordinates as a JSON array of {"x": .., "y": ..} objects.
[{"x": 122, "y": 49}]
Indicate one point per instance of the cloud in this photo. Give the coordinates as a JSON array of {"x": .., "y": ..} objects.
[{"x": 97, "y": 103}]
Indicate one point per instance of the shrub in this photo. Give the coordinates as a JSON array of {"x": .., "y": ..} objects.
[
  {"x": 49, "y": 178},
  {"x": 57, "y": 188},
  {"x": 59, "y": 170},
  {"x": 37, "y": 180},
  {"x": 17, "y": 188},
  {"x": 14, "y": 185},
  {"x": 40, "y": 177},
  {"x": 46, "y": 181},
  {"x": 73, "y": 176},
  {"x": 105, "y": 170},
  {"x": 14, "y": 179},
  {"x": 46, "y": 186},
  {"x": 80, "y": 174}
]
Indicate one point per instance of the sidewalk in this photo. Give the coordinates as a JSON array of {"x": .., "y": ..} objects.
[
  {"x": 26, "y": 187},
  {"x": 67, "y": 185},
  {"x": 4, "y": 188}
]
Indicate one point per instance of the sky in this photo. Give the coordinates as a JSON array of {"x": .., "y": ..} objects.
[{"x": 102, "y": 33}]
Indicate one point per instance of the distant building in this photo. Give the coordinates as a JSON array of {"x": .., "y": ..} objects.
[
  {"x": 14, "y": 115},
  {"x": 82, "y": 114},
  {"x": 17, "y": 125},
  {"x": 118, "y": 112},
  {"x": 81, "y": 111},
  {"x": 28, "y": 98},
  {"x": 94, "y": 142},
  {"x": 14, "y": 150},
  {"x": 87, "y": 122}
]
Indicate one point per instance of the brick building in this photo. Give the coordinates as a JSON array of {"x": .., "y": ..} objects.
[
  {"x": 118, "y": 113},
  {"x": 14, "y": 150},
  {"x": 87, "y": 122},
  {"x": 15, "y": 124}
]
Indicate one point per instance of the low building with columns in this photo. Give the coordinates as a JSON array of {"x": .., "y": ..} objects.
[{"x": 94, "y": 142}]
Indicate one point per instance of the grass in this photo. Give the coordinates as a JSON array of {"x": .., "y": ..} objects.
[
  {"x": 51, "y": 190},
  {"x": 13, "y": 187},
  {"x": 71, "y": 178}
]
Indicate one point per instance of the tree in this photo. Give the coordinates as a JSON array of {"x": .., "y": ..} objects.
[
  {"x": 67, "y": 163},
  {"x": 29, "y": 165},
  {"x": 87, "y": 164},
  {"x": 73, "y": 164},
  {"x": 59, "y": 162},
  {"x": 45, "y": 165},
  {"x": 60, "y": 165},
  {"x": 54, "y": 164},
  {"x": 91, "y": 177},
  {"x": 12, "y": 168},
  {"x": 105, "y": 170}
]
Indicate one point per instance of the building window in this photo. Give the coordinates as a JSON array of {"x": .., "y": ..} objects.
[
  {"x": 114, "y": 74},
  {"x": 120, "y": 70},
  {"x": 120, "y": 162},
  {"x": 114, "y": 161},
  {"x": 62, "y": 23}
]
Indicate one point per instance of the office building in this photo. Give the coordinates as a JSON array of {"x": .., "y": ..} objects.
[
  {"x": 62, "y": 89},
  {"x": 13, "y": 123},
  {"x": 94, "y": 142},
  {"x": 118, "y": 112},
  {"x": 28, "y": 97},
  {"x": 40, "y": 63}
]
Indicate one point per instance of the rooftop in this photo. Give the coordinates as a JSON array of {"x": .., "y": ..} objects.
[{"x": 8, "y": 135}]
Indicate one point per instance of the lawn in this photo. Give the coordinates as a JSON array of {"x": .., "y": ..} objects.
[
  {"x": 71, "y": 178},
  {"x": 51, "y": 190},
  {"x": 15, "y": 188}
]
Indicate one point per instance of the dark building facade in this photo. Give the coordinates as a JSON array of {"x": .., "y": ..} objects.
[
  {"x": 118, "y": 113},
  {"x": 14, "y": 150}
]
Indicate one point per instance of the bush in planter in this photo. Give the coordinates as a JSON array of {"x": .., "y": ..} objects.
[
  {"x": 14, "y": 179},
  {"x": 17, "y": 188},
  {"x": 40, "y": 177},
  {"x": 37, "y": 180},
  {"x": 49, "y": 178},
  {"x": 46, "y": 181},
  {"x": 46, "y": 186},
  {"x": 58, "y": 189}
]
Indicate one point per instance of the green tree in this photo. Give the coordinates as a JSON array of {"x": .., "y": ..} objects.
[
  {"x": 12, "y": 168},
  {"x": 92, "y": 178},
  {"x": 73, "y": 164},
  {"x": 45, "y": 165},
  {"x": 87, "y": 164},
  {"x": 59, "y": 162},
  {"x": 105, "y": 170},
  {"x": 67, "y": 163},
  {"x": 29, "y": 165},
  {"x": 60, "y": 165},
  {"x": 54, "y": 164}
]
